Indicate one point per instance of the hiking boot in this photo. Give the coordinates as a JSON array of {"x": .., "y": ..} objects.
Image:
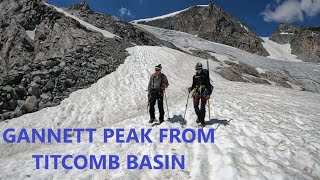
[
  {"x": 198, "y": 121},
  {"x": 151, "y": 120},
  {"x": 161, "y": 121},
  {"x": 202, "y": 124}
]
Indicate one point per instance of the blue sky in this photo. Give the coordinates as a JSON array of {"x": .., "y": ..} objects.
[{"x": 262, "y": 16}]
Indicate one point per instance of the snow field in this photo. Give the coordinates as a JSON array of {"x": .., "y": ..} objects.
[
  {"x": 301, "y": 73},
  {"x": 164, "y": 16},
  {"x": 272, "y": 131},
  {"x": 279, "y": 51}
]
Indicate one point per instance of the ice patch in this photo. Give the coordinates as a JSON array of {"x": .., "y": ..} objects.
[
  {"x": 31, "y": 34},
  {"x": 164, "y": 16},
  {"x": 279, "y": 51},
  {"x": 286, "y": 33},
  {"x": 261, "y": 70},
  {"x": 244, "y": 27}
]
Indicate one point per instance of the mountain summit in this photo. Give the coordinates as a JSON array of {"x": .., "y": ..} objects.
[{"x": 211, "y": 23}]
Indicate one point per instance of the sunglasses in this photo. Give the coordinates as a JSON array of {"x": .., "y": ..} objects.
[
  {"x": 198, "y": 69},
  {"x": 158, "y": 69}
]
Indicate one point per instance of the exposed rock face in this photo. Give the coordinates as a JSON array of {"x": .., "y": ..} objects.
[
  {"x": 15, "y": 46},
  {"x": 62, "y": 57},
  {"x": 117, "y": 26},
  {"x": 304, "y": 41},
  {"x": 45, "y": 55},
  {"x": 241, "y": 72},
  {"x": 52, "y": 80},
  {"x": 55, "y": 34},
  {"x": 83, "y": 6},
  {"x": 213, "y": 24}
]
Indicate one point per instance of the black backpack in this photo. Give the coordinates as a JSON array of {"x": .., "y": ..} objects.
[{"x": 206, "y": 74}]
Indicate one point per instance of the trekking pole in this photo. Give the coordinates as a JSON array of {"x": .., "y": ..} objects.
[
  {"x": 165, "y": 95},
  {"x": 211, "y": 89},
  {"x": 209, "y": 107},
  {"x": 148, "y": 103},
  {"x": 184, "y": 116}
]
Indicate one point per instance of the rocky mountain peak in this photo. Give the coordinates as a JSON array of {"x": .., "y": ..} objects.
[
  {"x": 210, "y": 5},
  {"x": 213, "y": 24},
  {"x": 304, "y": 41},
  {"x": 82, "y": 6},
  {"x": 286, "y": 28}
]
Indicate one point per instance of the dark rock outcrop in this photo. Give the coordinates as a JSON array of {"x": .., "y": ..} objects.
[
  {"x": 62, "y": 57},
  {"x": 49, "y": 83},
  {"x": 241, "y": 72},
  {"x": 304, "y": 41},
  {"x": 213, "y": 24},
  {"x": 117, "y": 26}
]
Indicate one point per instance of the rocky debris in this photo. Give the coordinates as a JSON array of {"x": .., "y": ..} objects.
[
  {"x": 64, "y": 56},
  {"x": 280, "y": 81},
  {"x": 304, "y": 41},
  {"x": 242, "y": 72},
  {"x": 117, "y": 26},
  {"x": 246, "y": 69},
  {"x": 230, "y": 74},
  {"x": 52, "y": 80},
  {"x": 203, "y": 54},
  {"x": 55, "y": 34},
  {"x": 30, "y": 105},
  {"x": 213, "y": 24}
]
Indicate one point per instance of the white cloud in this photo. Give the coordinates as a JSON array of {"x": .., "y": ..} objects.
[
  {"x": 125, "y": 12},
  {"x": 291, "y": 10}
]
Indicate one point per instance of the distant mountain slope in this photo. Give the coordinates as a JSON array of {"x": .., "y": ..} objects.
[
  {"x": 304, "y": 41},
  {"x": 306, "y": 75},
  {"x": 213, "y": 24}
]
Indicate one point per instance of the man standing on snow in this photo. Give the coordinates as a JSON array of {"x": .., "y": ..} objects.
[
  {"x": 157, "y": 84},
  {"x": 201, "y": 90}
]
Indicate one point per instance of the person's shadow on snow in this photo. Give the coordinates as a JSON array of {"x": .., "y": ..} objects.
[
  {"x": 219, "y": 122},
  {"x": 177, "y": 119}
]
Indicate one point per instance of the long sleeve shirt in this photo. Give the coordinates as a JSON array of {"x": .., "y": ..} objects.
[{"x": 155, "y": 82}]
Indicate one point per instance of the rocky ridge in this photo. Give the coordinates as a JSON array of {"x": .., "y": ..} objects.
[
  {"x": 213, "y": 24},
  {"x": 304, "y": 41}
]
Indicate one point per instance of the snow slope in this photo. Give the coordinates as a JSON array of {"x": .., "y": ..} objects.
[
  {"x": 279, "y": 51},
  {"x": 301, "y": 73},
  {"x": 273, "y": 131},
  {"x": 163, "y": 16},
  {"x": 31, "y": 34},
  {"x": 105, "y": 33}
]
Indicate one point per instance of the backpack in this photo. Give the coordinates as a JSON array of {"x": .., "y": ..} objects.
[{"x": 210, "y": 88}]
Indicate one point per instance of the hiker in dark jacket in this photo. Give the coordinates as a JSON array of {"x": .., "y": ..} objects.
[
  {"x": 157, "y": 84},
  {"x": 201, "y": 90}
]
